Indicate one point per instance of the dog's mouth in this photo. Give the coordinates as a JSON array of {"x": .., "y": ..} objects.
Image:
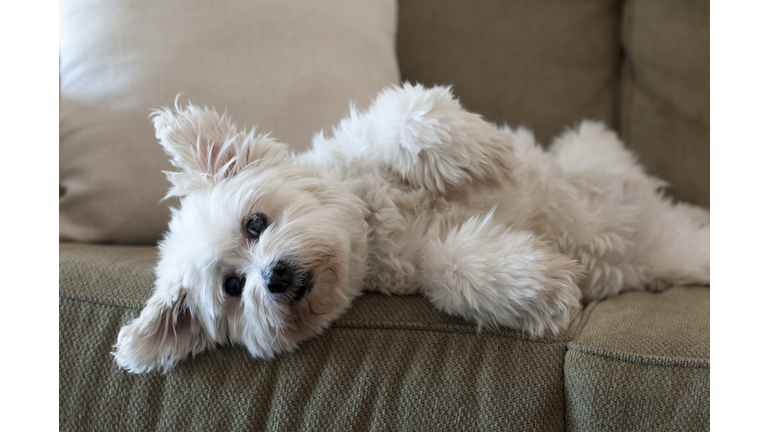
[{"x": 307, "y": 283}]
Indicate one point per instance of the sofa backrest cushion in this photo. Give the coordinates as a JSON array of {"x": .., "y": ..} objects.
[
  {"x": 641, "y": 66},
  {"x": 289, "y": 66},
  {"x": 545, "y": 65},
  {"x": 665, "y": 92}
]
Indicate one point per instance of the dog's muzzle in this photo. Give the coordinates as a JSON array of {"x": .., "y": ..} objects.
[{"x": 284, "y": 278}]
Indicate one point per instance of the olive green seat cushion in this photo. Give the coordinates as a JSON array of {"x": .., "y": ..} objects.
[
  {"x": 641, "y": 363},
  {"x": 391, "y": 363}
]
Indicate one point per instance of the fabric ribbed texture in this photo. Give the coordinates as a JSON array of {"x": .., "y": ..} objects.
[
  {"x": 114, "y": 274},
  {"x": 391, "y": 363},
  {"x": 641, "y": 362}
]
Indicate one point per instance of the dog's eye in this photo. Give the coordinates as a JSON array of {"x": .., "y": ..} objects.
[
  {"x": 256, "y": 224},
  {"x": 233, "y": 286}
]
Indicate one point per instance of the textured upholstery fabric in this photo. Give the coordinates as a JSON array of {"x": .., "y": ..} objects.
[
  {"x": 543, "y": 64},
  {"x": 641, "y": 363},
  {"x": 391, "y": 363},
  {"x": 665, "y": 92},
  {"x": 290, "y": 67}
]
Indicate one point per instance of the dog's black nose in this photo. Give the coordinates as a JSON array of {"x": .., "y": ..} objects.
[{"x": 281, "y": 278}]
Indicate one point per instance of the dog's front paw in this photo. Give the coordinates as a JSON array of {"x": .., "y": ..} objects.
[
  {"x": 427, "y": 138},
  {"x": 494, "y": 277},
  {"x": 135, "y": 352},
  {"x": 160, "y": 337}
]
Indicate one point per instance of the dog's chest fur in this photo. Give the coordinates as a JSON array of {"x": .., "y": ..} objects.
[{"x": 402, "y": 218}]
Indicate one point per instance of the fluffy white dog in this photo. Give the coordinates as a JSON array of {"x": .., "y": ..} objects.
[{"x": 414, "y": 195}]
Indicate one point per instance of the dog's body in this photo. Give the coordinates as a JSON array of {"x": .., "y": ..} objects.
[{"x": 415, "y": 195}]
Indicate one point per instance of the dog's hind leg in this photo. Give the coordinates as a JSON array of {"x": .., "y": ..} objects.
[
  {"x": 669, "y": 246},
  {"x": 488, "y": 274},
  {"x": 673, "y": 246},
  {"x": 592, "y": 147}
]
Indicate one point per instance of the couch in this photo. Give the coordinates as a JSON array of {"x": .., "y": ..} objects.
[{"x": 639, "y": 361}]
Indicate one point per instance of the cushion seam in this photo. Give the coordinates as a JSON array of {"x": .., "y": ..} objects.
[
  {"x": 95, "y": 301},
  {"x": 586, "y": 313},
  {"x": 125, "y": 304},
  {"x": 427, "y": 328},
  {"x": 627, "y": 75},
  {"x": 648, "y": 360}
]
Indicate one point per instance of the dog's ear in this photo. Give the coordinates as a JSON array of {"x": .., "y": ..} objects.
[
  {"x": 208, "y": 148},
  {"x": 165, "y": 333}
]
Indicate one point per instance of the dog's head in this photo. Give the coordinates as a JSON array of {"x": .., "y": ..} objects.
[{"x": 262, "y": 251}]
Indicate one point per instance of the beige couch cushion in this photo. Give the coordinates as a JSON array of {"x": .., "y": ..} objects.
[
  {"x": 641, "y": 363},
  {"x": 665, "y": 92},
  {"x": 390, "y": 363},
  {"x": 550, "y": 64},
  {"x": 289, "y": 66},
  {"x": 546, "y": 64}
]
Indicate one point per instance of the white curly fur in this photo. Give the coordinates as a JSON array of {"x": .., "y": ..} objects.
[{"x": 413, "y": 195}]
